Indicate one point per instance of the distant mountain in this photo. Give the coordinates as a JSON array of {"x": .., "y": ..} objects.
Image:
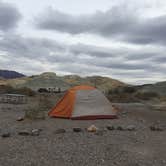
[
  {"x": 50, "y": 79},
  {"x": 7, "y": 74}
]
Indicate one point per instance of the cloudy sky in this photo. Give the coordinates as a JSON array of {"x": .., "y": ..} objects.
[{"x": 123, "y": 39}]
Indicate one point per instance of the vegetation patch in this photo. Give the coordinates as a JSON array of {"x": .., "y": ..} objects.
[{"x": 23, "y": 90}]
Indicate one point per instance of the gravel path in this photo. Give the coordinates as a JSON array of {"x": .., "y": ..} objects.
[{"x": 142, "y": 147}]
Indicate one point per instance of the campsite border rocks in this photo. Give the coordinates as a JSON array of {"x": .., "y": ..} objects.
[
  {"x": 92, "y": 129},
  {"x": 35, "y": 132},
  {"x": 5, "y": 135},
  {"x": 110, "y": 127},
  {"x": 120, "y": 128},
  {"x": 77, "y": 129},
  {"x": 19, "y": 119},
  {"x": 131, "y": 128},
  {"x": 156, "y": 128},
  {"x": 24, "y": 133},
  {"x": 60, "y": 131}
]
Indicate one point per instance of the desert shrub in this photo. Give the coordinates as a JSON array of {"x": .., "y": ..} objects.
[
  {"x": 25, "y": 91},
  {"x": 122, "y": 94},
  {"x": 129, "y": 89},
  {"x": 146, "y": 95},
  {"x": 113, "y": 91},
  {"x": 122, "y": 90},
  {"x": 41, "y": 104},
  {"x": 10, "y": 89},
  {"x": 6, "y": 89},
  {"x": 40, "y": 108},
  {"x": 42, "y": 90},
  {"x": 122, "y": 98}
]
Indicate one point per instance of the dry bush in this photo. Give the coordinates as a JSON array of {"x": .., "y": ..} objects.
[
  {"x": 10, "y": 89},
  {"x": 146, "y": 95},
  {"x": 41, "y": 104}
]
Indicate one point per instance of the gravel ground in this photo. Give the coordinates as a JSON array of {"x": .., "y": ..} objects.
[{"x": 142, "y": 147}]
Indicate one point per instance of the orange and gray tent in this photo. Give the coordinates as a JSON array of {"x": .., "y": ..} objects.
[{"x": 84, "y": 103}]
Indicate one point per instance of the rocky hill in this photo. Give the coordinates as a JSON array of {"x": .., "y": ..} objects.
[
  {"x": 159, "y": 88},
  {"x": 7, "y": 74},
  {"x": 49, "y": 79}
]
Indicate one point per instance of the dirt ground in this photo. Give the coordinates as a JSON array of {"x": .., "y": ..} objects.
[{"x": 142, "y": 147}]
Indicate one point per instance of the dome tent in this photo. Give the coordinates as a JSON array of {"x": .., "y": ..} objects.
[{"x": 84, "y": 103}]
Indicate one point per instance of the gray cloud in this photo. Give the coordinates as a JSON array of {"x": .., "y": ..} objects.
[
  {"x": 9, "y": 16},
  {"x": 21, "y": 53},
  {"x": 118, "y": 23}
]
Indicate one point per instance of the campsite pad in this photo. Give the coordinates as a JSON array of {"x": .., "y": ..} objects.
[{"x": 113, "y": 148}]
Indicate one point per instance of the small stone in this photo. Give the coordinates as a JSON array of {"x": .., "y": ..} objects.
[
  {"x": 5, "y": 135},
  {"x": 92, "y": 128},
  {"x": 77, "y": 129},
  {"x": 131, "y": 128},
  {"x": 110, "y": 127},
  {"x": 24, "y": 133},
  {"x": 20, "y": 119},
  {"x": 59, "y": 131},
  {"x": 35, "y": 132},
  {"x": 120, "y": 128}
]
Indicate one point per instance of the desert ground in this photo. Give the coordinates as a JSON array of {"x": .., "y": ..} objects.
[{"x": 141, "y": 147}]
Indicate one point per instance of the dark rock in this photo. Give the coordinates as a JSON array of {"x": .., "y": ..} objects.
[
  {"x": 110, "y": 127},
  {"x": 5, "y": 135},
  {"x": 59, "y": 131},
  {"x": 156, "y": 128},
  {"x": 77, "y": 129},
  {"x": 24, "y": 133}
]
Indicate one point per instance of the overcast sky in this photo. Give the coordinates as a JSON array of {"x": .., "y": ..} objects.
[{"x": 122, "y": 39}]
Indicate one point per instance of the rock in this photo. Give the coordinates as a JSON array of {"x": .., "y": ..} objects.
[
  {"x": 110, "y": 127},
  {"x": 156, "y": 128},
  {"x": 59, "y": 131},
  {"x": 77, "y": 129},
  {"x": 120, "y": 128},
  {"x": 92, "y": 128},
  {"x": 131, "y": 128},
  {"x": 24, "y": 133},
  {"x": 5, "y": 135},
  {"x": 35, "y": 132},
  {"x": 20, "y": 119}
]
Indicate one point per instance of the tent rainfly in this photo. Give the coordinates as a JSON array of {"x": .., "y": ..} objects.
[{"x": 84, "y": 103}]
